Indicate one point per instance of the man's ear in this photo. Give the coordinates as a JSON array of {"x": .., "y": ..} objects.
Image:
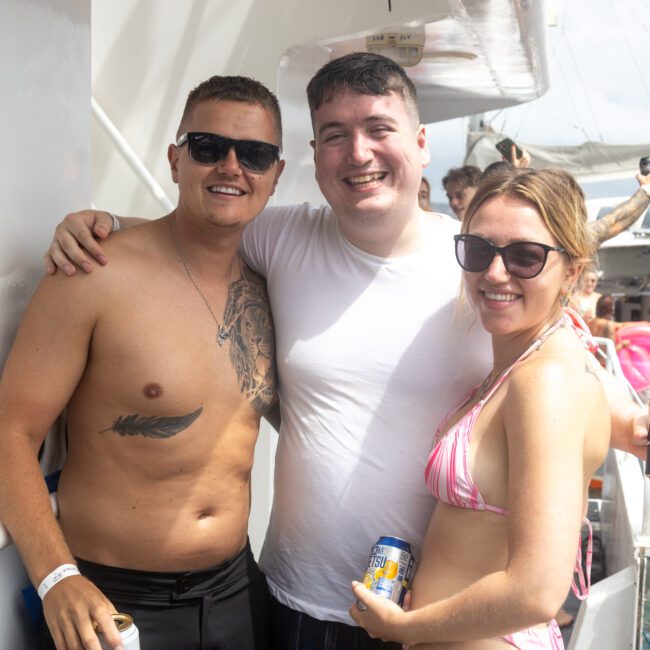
[
  {"x": 421, "y": 137},
  {"x": 278, "y": 173},
  {"x": 312, "y": 144},
  {"x": 172, "y": 156}
]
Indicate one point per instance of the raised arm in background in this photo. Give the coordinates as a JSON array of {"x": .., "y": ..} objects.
[{"x": 623, "y": 215}]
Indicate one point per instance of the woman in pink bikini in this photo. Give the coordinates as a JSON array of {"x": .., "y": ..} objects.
[{"x": 510, "y": 467}]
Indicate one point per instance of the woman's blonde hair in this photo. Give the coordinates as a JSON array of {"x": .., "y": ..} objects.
[{"x": 557, "y": 197}]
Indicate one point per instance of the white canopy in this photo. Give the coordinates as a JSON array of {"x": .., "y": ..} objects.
[{"x": 590, "y": 161}]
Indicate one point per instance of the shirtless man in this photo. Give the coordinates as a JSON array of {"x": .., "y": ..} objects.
[
  {"x": 603, "y": 323},
  {"x": 164, "y": 363}
]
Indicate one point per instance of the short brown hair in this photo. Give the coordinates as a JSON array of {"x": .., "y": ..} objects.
[
  {"x": 605, "y": 306},
  {"x": 235, "y": 89},
  {"x": 364, "y": 73},
  {"x": 467, "y": 176}
]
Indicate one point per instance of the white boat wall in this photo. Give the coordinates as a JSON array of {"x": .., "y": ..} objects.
[
  {"x": 45, "y": 171},
  {"x": 124, "y": 103}
]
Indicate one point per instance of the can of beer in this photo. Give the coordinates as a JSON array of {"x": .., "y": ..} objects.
[
  {"x": 128, "y": 632},
  {"x": 390, "y": 568}
]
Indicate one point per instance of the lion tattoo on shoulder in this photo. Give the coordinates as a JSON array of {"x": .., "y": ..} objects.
[{"x": 252, "y": 341}]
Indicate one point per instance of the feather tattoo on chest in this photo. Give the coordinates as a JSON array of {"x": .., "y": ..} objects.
[{"x": 152, "y": 426}]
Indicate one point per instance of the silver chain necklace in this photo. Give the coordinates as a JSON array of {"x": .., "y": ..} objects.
[{"x": 223, "y": 332}]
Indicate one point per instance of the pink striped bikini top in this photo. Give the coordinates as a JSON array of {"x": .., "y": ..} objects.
[{"x": 447, "y": 473}]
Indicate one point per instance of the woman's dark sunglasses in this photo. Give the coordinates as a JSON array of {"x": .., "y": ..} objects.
[
  {"x": 522, "y": 259},
  {"x": 210, "y": 148}
]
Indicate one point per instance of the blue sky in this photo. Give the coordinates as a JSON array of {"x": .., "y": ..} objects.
[{"x": 599, "y": 68}]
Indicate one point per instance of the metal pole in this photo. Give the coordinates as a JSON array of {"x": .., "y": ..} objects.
[
  {"x": 645, "y": 524},
  {"x": 130, "y": 156}
]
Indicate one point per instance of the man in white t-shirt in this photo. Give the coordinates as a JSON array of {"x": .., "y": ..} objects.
[{"x": 372, "y": 351}]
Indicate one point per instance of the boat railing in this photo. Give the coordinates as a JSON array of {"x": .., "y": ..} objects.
[{"x": 614, "y": 615}]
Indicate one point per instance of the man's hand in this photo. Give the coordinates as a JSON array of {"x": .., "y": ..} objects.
[
  {"x": 75, "y": 242},
  {"x": 637, "y": 441},
  {"x": 380, "y": 617},
  {"x": 73, "y": 609},
  {"x": 523, "y": 161}
]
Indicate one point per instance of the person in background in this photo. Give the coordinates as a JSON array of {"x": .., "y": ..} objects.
[
  {"x": 604, "y": 324},
  {"x": 424, "y": 195},
  {"x": 623, "y": 215},
  {"x": 498, "y": 167},
  {"x": 460, "y": 185},
  {"x": 586, "y": 296},
  {"x": 460, "y": 182},
  {"x": 501, "y": 545}
]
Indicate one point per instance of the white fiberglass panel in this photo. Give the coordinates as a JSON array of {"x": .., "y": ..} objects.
[
  {"x": 45, "y": 166},
  {"x": 44, "y": 173}
]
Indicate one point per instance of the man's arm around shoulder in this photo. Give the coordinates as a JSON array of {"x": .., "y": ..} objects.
[
  {"x": 630, "y": 422},
  {"x": 76, "y": 240}
]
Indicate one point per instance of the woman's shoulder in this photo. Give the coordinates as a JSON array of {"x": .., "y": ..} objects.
[
  {"x": 557, "y": 394},
  {"x": 561, "y": 371}
]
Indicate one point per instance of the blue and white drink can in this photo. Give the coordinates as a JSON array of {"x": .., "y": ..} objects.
[
  {"x": 128, "y": 632},
  {"x": 390, "y": 568}
]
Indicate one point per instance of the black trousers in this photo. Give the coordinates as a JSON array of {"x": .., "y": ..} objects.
[
  {"x": 223, "y": 608},
  {"x": 293, "y": 630}
]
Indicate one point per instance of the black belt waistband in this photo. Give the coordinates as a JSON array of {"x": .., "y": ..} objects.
[{"x": 219, "y": 582}]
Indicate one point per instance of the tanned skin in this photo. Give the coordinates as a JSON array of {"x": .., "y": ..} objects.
[
  {"x": 178, "y": 412},
  {"x": 622, "y": 216}
]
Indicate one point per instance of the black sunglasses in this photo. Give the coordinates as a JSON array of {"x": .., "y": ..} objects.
[
  {"x": 210, "y": 148},
  {"x": 522, "y": 259}
]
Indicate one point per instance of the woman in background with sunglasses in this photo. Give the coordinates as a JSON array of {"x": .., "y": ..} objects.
[{"x": 510, "y": 466}]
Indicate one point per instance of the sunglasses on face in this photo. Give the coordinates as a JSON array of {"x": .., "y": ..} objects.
[
  {"x": 210, "y": 148},
  {"x": 522, "y": 259}
]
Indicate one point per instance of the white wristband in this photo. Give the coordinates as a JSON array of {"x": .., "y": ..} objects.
[
  {"x": 116, "y": 222},
  {"x": 60, "y": 573},
  {"x": 645, "y": 188}
]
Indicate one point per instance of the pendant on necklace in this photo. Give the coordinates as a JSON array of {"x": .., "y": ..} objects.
[{"x": 222, "y": 336}]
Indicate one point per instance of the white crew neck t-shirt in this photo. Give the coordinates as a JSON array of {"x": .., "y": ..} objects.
[{"x": 372, "y": 354}]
